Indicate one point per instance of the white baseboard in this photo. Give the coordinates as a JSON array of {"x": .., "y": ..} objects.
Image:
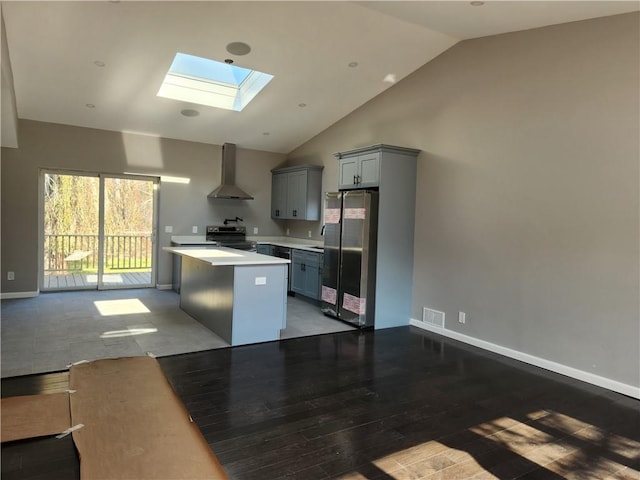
[
  {"x": 603, "y": 382},
  {"x": 8, "y": 295},
  {"x": 11, "y": 295}
]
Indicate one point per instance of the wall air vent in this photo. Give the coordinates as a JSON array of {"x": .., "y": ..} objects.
[{"x": 433, "y": 317}]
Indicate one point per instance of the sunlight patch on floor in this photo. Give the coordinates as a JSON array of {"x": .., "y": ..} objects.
[
  {"x": 128, "y": 333},
  {"x": 128, "y": 306},
  {"x": 550, "y": 440}
]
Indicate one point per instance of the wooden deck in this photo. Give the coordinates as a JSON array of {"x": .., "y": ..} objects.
[{"x": 71, "y": 281}]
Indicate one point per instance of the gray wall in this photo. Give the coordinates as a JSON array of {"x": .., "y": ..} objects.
[
  {"x": 528, "y": 212},
  {"x": 45, "y": 145}
]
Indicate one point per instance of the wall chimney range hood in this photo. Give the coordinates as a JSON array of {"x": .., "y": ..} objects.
[{"x": 228, "y": 188}]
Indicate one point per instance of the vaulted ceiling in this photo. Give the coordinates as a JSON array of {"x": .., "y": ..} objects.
[{"x": 100, "y": 64}]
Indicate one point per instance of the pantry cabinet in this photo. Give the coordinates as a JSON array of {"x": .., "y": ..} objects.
[
  {"x": 296, "y": 192},
  {"x": 391, "y": 170}
]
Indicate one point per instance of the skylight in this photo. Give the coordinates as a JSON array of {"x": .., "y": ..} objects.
[{"x": 207, "y": 82}]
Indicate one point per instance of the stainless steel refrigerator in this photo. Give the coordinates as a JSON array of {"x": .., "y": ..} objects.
[{"x": 349, "y": 273}]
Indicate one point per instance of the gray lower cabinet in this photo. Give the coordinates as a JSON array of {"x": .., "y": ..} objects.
[
  {"x": 231, "y": 302},
  {"x": 296, "y": 192},
  {"x": 306, "y": 273}
]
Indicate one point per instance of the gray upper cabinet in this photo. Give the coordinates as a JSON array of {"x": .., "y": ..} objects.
[
  {"x": 278, "y": 196},
  {"x": 359, "y": 170},
  {"x": 296, "y": 192}
]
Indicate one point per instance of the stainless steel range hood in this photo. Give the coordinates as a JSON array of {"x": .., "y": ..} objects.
[{"x": 228, "y": 188}]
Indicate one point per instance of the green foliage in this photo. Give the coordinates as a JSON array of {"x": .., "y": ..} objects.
[{"x": 71, "y": 221}]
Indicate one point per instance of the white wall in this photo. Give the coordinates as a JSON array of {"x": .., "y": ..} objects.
[{"x": 528, "y": 210}]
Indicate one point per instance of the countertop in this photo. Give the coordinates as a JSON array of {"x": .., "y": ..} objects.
[
  {"x": 287, "y": 242},
  {"x": 223, "y": 256},
  {"x": 190, "y": 240}
]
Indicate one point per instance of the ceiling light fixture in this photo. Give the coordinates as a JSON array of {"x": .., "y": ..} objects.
[
  {"x": 476, "y": 3},
  {"x": 266, "y": 133},
  {"x": 353, "y": 64},
  {"x": 90, "y": 105},
  {"x": 190, "y": 112},
  {"x": 238, "y": 48},
  {"x": 302, "y": 105},
  {"x": 99, "y": 63}
]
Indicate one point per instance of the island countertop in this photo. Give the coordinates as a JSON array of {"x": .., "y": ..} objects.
[{"x": 224, "y": 256}]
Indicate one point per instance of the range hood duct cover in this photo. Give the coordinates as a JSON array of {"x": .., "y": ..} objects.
[{"x": 228, "y": 188}]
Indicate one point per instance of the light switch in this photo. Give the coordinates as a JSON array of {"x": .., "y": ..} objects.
[
  {"x": 168, "y": 229},
  {"x": 194, "y": 229}
]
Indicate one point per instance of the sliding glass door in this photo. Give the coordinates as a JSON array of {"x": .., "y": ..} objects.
[
  {"x": 98, "y": 231},
  {"x": 128, "y": 246}
]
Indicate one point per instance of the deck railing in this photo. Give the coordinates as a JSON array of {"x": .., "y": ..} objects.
[{"x": 76, "y": 253}]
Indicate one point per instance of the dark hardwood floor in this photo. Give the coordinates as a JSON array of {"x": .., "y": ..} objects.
[{"x": 392, "y": 404}]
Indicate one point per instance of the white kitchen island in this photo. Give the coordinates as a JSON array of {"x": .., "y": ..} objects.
[{"x": 240, "y": 296}]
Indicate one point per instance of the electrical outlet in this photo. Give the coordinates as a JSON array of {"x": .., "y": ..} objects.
[
  {"x": 309, "y": 233},
  {"x": 287, "y": 231},
  {"x": 462, "y": 317},
  {"x": 255, "y": 230},
  {"x": 194, "y": 229},
  {"x": 168, "y": 229},
  {"x": 11, "y": 276}
]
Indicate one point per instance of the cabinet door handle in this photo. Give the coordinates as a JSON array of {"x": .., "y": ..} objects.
[
  {"x": 295, "y": 213},
  {"x": 277, "y": 212},
  {"x": 355, "y": 179}
]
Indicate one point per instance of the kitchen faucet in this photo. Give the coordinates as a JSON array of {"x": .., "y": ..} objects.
[{"x": 227, "y": 220}]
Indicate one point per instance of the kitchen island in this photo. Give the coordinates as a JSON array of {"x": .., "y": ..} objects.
[{"x": 241, "y": 296}]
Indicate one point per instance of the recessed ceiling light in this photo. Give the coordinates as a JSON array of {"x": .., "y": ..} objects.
[
  {"x": 476, "y": 3},
  {"x": 266, "y": 133},
  {"x": 208, "y": 82},
  {"x": 90, "y": 105},
  {"x": 190, "y": 112},
  {"x": 302, "y": 105},
  {"x": 389, "y": 78},
  {"x": 99, "y": 63},
  {"x": 238, "y": 48},
  {"x": 353, "y": 64}
]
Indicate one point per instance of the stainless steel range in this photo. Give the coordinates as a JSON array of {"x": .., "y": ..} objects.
[{"x": 229, "y": 236}]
